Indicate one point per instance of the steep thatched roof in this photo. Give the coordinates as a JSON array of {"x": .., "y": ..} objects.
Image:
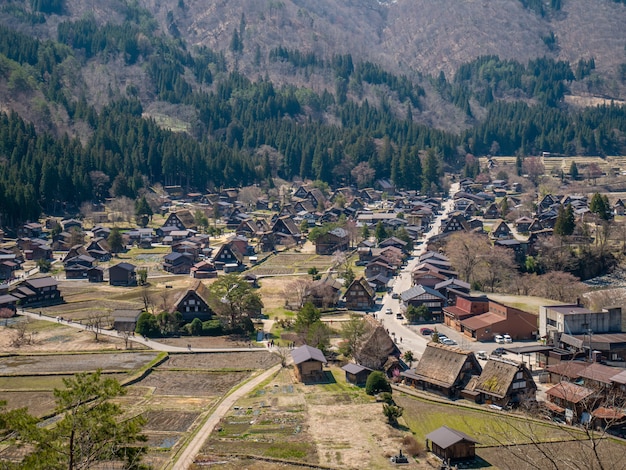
[
  {"x": 376, "y": 346},
  {"x": 198, "y": 287},
  {"x": 497, "y": 377},
  {"x": 441, "y": 365}
]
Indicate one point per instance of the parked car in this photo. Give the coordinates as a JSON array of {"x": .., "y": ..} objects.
[
  {"x": 498, "y": 352},
  {"x": 482, "y": 355},
  {"x": 448, "y": 342},
  {"x": 395, "y": 295},
  {"x": 499, "y": 339},
  {"x": 426, "y": 331},
  {"x": 507, "y": 339},
  {"x": 388, "y": 311},
  {"x": 399, "y": 316}
]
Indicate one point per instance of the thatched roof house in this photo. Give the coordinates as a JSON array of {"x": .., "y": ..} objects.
[
  {"x": 376, "y": 346},
  {"x": 444, "y": 369},
  {"x": 504, "y": 382}
]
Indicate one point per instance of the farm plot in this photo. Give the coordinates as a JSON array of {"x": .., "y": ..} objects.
[
  {"x": 192, "y": 383},
  {"x": 292, "y": 263},
  {"x": 72, "y": 363},
  {"x": 38, "y": 403},
  {"x": 221, "y": 361},
  {"x": 169, "y": 420}
]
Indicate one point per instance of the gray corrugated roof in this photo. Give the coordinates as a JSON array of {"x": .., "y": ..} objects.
[
  {"x": 444, "y": 437},
  {"x": 352, "y": 368},
  {"x": 307, "y": 353}
]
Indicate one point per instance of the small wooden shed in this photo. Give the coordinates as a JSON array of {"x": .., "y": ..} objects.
[
  {"x": 451, "y": 445},
  {"x": 309, "y": 362},
  {"x": 356, "y": 373}
]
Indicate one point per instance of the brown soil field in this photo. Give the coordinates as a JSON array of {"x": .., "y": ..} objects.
[
  {"x": 169, "y": 420},
  {"x": 569, "y": 454},
  {"x": 71, "y": 363},
  {"x": 220, "y": 361},
  {"x": 218, "y": 342},
  {"x": 333, "y": 425},
  {"x": 160, "y": 402},
  {"x": 192, "y": 383},
  {"x": 38, "y": 403},
  {"x": 55, "y": 337}
]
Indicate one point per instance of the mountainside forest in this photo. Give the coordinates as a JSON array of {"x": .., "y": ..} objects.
[{"x": 106, "y": 98}]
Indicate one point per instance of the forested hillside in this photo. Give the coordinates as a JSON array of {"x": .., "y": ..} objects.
[{"x": 108, "y": 99}]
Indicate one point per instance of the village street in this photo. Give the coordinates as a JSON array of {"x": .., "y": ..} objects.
[{"x": 409, "y": 338}]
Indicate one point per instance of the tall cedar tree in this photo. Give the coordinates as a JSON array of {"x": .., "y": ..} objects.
[
  {"x": 565, "y": 222},
  {"x": 90, "y": 428}
]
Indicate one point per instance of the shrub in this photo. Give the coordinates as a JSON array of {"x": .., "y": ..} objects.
[
  {"x": 377, "y": 383},
  {"x": 195, "y": 327},
  {"x": 412, "y": 446},
  {"x": 212, "y": 328},
  {"x": 387, "y": 398},
  {"x": 392, "y": 412}
]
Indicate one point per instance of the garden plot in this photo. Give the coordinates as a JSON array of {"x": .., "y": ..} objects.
[
  {"x": 38, "y": 403},
  {"x": 193, "y": 384},
  {"x": 221, "y": 361},
  {"x": 169, "y": 420},
  {"x": 292, "y": 263},
  {"x": 72, "y": 363}
]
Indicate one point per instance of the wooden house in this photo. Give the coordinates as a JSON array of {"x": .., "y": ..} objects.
[
  {"x": 99, "y": 248},
  {"x": 492, "y": 211},
  {"x": 377, "y": 350},
  {"x": 177, "y": 263},
  {"x": 450, "y": 445},
  {"x": 360, "y": 295},
  {"x": 228, "y": 255},
  {"x": 421, "y": 295},
  {"x": 78, "y": 267},
  {"x": 309, "y": 363},
  {"x": 334, "y": 240},
  {"x": 203, "y": 270},
  {"x": 286, "y": 227},
  {"x": 39, "y": 291},
  {"x": 455, "y": 223},
  {"x": 323, "y": 293},
  {"x": 181, "y": 219},
  {"x": 396, "y": 242},
  {"x": 125, "y": 320},
  {"x": 95, "y": 274},
  {"x": 523, "y": 224},
  {"x": 500, "y": 230},
  {"x": 443, "y": 369},
  {"x": 123, "y": 274},
  {"x": 356, "y": 374},
  {"x": 194, "y": 303},
  {"x": 570, "y": 399},
  {"x": 379, "y": 267},
  {"x": 503, "y": 382}
]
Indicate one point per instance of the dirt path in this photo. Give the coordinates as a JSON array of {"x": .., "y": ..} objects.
[{"x": 190, "y": 452}]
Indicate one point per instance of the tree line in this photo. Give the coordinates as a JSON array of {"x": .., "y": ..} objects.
[{"x": 236, "y": 116}]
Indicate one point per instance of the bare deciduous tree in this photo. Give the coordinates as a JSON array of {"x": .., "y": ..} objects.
[
  {"x": 498, "y": 267},
  {"x": 465, "y": 250},
  {"x": 122, "y": 209},
  {"x": 559, "y": 285},
  {"x": 249, "y": 195},
  {"x": 21, "y": 335},
  {"x": 295, "y": 292},
  {"x": 97, "y": 321}
]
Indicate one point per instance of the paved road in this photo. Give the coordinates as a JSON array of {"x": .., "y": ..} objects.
[
  {"x": 136, "y": 339},
  {"x": 411, "y": 338},
  {"x": 188, "y": 456}
]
